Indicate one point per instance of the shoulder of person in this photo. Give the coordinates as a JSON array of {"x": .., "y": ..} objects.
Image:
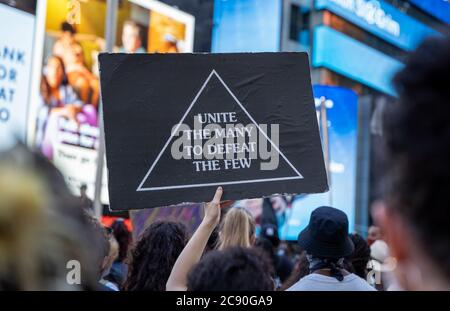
[{"x": 360, "y": 282}]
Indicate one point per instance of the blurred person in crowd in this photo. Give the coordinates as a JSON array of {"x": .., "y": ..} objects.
[
  {"x": 58, "y": 100},
  {"x": 46, "y": 241},
  {"x": 327, "y": 244},
  {"x": 63, "y": 46},
  {"x": 131, "y": 38},
  {"x": 415, "y": 219},
  {"x": 374, "y": 234},
  {"x": 107, "y": 252},
  {"x": 86, "y": 202},
  {"x": 154, "y": 255},
  {"x": 360, "y": 257},
  {"x": 266, "y": 246},
  {"x": 119, "y": 269},
  {"x": 109, "y": 260},
  {"x": 300, "y": 270},
  {"x": 381, "y": 267},
  {"x": 237, "y": 229},
  {"x": 246, "y": 258},
  {"x": 282, "y": 264},
  {"x": 236, "y": 268}
]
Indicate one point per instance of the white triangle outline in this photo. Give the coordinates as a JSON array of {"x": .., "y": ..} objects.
[{"x": 214, "y": 72}]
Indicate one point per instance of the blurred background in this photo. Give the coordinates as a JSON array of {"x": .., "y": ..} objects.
[{"x": 50, "y": 93}]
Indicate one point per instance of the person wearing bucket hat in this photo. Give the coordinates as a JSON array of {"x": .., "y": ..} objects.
[{"x": 327, "y": 242}]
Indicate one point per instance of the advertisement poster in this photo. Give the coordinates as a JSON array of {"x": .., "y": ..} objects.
[
  {"x": 64, "y": 123},
  {"x": 16, "y": 64},
  {"x": 242, "y": 121}
]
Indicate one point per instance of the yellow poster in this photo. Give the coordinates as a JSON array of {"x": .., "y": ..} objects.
[{"x": 165, "y": 34}]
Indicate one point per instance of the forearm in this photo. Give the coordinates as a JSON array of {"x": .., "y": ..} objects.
[{"x": 190, "y": 255}]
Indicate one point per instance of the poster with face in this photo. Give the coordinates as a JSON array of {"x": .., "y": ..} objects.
[
  {"x": 63, "y": 122},
  {"x": 169, "y": 30},
  {"x": 246, "y": 122}
]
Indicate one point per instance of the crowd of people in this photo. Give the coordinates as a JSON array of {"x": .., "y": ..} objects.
[{"x": 44, "y": 230}]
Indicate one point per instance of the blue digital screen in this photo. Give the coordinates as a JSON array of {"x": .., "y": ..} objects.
[
  {"x": 246, "y": 26},
  {"x": 353, "y": 59},
  {"x": 342, "y": 116},
  {"x": 440, "y": 9},
  {"x": 382, "y": 20}
]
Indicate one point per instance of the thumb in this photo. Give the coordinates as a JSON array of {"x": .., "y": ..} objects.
[{"x": 217, "y": 195}]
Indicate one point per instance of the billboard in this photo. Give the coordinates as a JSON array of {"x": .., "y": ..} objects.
[
  {"x": 337, "y": 108},
  {"x": 440, "y": 9},
  {"x": 381, "y": 19},
  {"x": 351, "y": 58},
  {"x": 63, "y": 123},
  {"x": 17, "y": 51}
]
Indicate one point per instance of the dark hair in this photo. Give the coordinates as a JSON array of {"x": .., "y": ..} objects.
[
  {"x": 417, "y": 136},
  {"x": 235, "y": 268},
  {"x": 66, "y": 27},
  {"x": 123, "y": 237},
  {"x": 267, "y": 246},
  {"x": 154, "y": 255},
  {"x": 301, "y": 269},
  {"x": 360, "y": 256}
]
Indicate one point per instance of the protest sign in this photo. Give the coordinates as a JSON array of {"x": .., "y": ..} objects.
[{"x": 179, "y": 125}]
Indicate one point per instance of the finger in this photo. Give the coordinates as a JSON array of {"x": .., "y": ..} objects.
[{"x": 217, "y": 195}]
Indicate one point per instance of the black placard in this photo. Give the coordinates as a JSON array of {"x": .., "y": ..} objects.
[{"x": 179, "y": 125}]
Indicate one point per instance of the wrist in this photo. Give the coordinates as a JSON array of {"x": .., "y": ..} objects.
[{"x": 208, "y": 223}]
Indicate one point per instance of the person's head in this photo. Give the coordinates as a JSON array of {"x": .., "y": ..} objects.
[
  {"x": 415, "y": 220},
  {"x": 123, "y": 237},
  {"x": 43, "y": 229},
  {"x": 237, "y": 229},
  {"x": 373, "y": 234},
  {"x": 131, "y": 36},
  {"x": 326, "y": 240},
  {"x": 152, "y": 258},
  {"x": 68, "y": 30},
  {"x": 55, "y": 72},
  {"x": 236, "y": 268},
  {"x": 83, "y": 189},
  {"x": 326, "y": 235},
  {"x": 360, "y": 256}
]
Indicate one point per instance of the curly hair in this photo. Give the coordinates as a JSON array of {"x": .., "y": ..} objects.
[
  {"x": 152, "y": 258},
  {"x": 417, "y": 136},
  {"x": 236, "y": 268}
]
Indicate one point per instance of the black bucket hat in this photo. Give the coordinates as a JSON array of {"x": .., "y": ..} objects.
[{"x": 326, "y": 235}]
